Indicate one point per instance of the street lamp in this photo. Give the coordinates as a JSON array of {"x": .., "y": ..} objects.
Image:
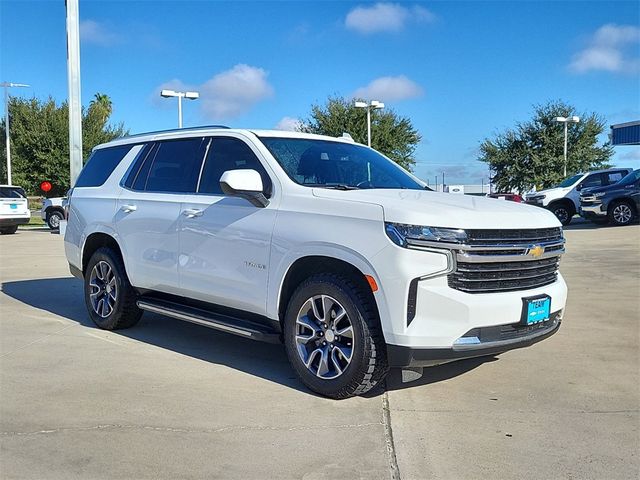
[
  {"x": 7, "y": 86},
  {"x": 180, "y": 95},
  {"x": 375, "y": 104},
  {"x": 566, "y": 121}
]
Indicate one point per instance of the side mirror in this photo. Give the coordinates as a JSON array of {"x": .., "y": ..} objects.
[
  {"x": 246, "y": 184},
  {"x": 579, "y": 187}
]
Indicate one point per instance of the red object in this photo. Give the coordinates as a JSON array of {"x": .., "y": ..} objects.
[
  {"x": 507, "y": 196},
  {"x": 45, "y": 186}
]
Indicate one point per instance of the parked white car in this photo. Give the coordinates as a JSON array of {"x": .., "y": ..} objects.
[
  {"x": 14, "y": 208},
  {"x": 53, "y": 211},
  {"x": 564, "y": 199},
  {"x": 317, "y": 242}
]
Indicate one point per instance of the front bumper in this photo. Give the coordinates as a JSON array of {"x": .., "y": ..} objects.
[
  {"x": 590, "y": 211},
  {"x": 486, "y": 341}
]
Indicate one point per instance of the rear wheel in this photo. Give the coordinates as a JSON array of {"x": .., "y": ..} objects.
[
  {"x": 54, "y": 218},
  {"x": 108, "y": 295},
  {"x": 332, "y": 337},
  {"x": 621, "y": 213},
  {"x": 9, "y": 230}
]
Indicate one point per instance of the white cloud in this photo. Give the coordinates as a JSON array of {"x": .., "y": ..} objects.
[
  {"x": 233, "y": 92},
  {"x": 289, "y": 124},
  {"x": 385, "y": 17},
  {"x": 389, "y": 89},
  {"x": 607, "y": 50},
  {"x": 227, "y": 94},
  {"x": 98, "y": 34}
]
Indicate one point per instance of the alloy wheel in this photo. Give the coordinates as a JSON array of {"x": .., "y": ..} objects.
[
  {"x": 103, "y": 289},
  {"x": 324, "y": 337},
  {"x": 622, "y": 213}
]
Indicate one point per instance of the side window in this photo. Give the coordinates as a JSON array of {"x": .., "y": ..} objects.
[
  {"x": 614, "y": 177},
  {"x": 100, "y": 165},
  {"x": 228, "y": 153},
  {"x": 132, "y": 174},
  {"x": 176, "y": 166},
  {"x": 594, "y": 180}
]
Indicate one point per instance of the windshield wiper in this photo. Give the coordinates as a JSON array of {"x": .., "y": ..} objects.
[{"x": 334, "y": 186}]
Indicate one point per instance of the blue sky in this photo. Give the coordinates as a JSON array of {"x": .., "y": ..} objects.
[{"x": 461, "y": 71}]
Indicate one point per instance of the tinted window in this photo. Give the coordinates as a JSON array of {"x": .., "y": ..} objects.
[
  {"x": 228, "y": 153},
  {"x": 594, "y": 180},
  {"x": 132, "y": 174},
  {"x": 176, "y": 166},
  {"x": 100, "y": 165},
  {"x": 631, "y": 178},
  {"x": 567, "y": 182},
  {"x": 12, "y": 192}
]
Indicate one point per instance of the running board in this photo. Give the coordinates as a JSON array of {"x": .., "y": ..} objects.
[{"x": 217, "y": 321}]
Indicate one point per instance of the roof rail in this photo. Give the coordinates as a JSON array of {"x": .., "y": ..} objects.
[{"x": 171, "y": 130}]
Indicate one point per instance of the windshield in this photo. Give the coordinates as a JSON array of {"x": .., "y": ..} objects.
[
  {"x": 630, "y": 178},
  {"x": 567, "y": 182},
  {"x": 323, "y": 163}
]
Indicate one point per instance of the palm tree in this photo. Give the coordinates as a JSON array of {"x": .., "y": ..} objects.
[{"x": 102, "y": 102}]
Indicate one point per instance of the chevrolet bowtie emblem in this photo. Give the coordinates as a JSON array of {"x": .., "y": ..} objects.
[{"x": 536, "y": 251}]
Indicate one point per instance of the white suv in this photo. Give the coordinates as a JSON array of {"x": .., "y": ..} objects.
[
  {"x": 317, "y": 242},
  {"x": 564, "y": 199},
  {"x": 14, "y": 208}
]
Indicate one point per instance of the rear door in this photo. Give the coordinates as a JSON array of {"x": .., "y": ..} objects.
[
  {"x": 225, "y": 241},
  {"x": 13, "y": 203},
  {"x": 149, "y": 207}
]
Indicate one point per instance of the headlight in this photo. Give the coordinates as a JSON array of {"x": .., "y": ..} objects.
[
  {"x": 599, "y": 194},
  {"x": 403, "y": 235}
]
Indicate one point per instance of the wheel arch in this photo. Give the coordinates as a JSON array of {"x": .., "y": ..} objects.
[
  {"x": 95, "y": 241},
  {"x": 620, "y": 200},
  {"x": 305, "y": 266},
  {"x": 563, "y": 201}
]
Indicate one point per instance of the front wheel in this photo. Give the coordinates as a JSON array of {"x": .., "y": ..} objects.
[
  {"x": 332, "y": 336},
  {"x": 621, "y": 213},
  {"x": 563, "y": 213},
  {"x": 54, "y": 218}
]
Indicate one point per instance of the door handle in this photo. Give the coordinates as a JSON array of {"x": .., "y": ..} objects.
[
  {"x": 192, "y": 212},
  {"x": 128, "y": 208}
]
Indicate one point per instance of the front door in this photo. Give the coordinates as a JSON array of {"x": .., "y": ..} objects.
[{"x": 225, "y": 241}]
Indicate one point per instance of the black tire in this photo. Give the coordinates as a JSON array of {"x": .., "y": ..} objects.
[
  {"x": 124, "y": 312},
  {"x": 368, "y": 364},
  {"x": 563, "y": 212},
  {"x": 9, "y": 230},
  {"x": 53, "y": 219},
  {"x": 621, "y": 213}
]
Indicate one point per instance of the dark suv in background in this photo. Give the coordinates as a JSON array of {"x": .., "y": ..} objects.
[{"x": 618, "y": 204}]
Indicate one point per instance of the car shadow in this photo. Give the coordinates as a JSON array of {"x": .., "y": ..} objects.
[{"x": 64, "y": 297}]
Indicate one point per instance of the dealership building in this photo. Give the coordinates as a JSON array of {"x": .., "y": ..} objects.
[{"x": 625, "y": 133}]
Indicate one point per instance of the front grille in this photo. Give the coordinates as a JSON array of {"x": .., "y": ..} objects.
[
  {"x": 503, "y": 260},
  {"x": 508, "y": 277},
  {"x": 499, "y": 237}
]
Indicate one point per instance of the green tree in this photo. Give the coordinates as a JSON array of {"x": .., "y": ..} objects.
[
  {"x": 532, "y": 154},
  {"x": 40, "y": 141},
  {"x": 391, "y": 134}
]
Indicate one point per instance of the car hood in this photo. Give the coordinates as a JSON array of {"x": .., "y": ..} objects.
[
  {"x": 606, "y": 188},
  {"x": 551, "y": 192},
  {"x": 418, "y": 207}
]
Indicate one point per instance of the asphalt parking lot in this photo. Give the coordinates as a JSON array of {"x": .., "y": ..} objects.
[{"x": 168, "y": 399}]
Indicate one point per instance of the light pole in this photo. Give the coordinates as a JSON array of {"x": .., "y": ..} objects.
[
  {"x": 566, "y": 121},
  {"x": 375, "y": 104},
  {"x": 7, "y": 86},
  {"x": 180, "y": 95}
]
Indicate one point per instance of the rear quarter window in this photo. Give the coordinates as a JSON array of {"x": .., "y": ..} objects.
[{"x": 100, "y": 165}]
